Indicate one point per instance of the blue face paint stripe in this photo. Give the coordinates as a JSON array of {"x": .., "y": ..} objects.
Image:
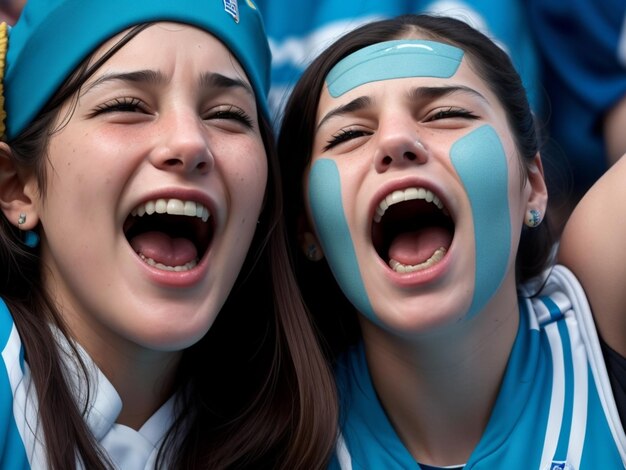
[
  {"x": 332, "y": 228},
  {"x": 480, "y": 161},
  {"x": 391, "y": 60}
]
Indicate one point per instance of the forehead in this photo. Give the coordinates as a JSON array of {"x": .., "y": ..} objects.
[
  {"x": 170, "y": 37},
  {"x": 380, "y": 87},
  {"x": 389, "y": 60}
]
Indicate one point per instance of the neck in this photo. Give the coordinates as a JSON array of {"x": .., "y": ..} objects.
[
  {"x": 439, "y": 390},
  {"x": 142, "y": 378},
  {"x": 143, "y": 381}
]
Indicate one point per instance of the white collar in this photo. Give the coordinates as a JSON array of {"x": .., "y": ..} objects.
[{"x": 126, "y": 447}]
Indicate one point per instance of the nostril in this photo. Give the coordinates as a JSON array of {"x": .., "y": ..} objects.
[
  {"x": 387, "y": 160},
  {"x": 410, "y": 156},
  {"x": 202, "y": 166},
  {"x": 172, "y": 162}
]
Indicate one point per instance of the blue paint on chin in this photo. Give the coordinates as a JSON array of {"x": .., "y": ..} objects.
[
  {"x": 334, "y": 233},
  {"x": 480, "y": 160}
]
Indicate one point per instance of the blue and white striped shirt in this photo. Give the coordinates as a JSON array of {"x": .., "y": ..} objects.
[
  {"x": 22, "y": 443},
  {"x": 555, "y": 408}
]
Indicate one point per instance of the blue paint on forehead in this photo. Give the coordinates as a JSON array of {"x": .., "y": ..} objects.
[{"x": 391, "y": 60}]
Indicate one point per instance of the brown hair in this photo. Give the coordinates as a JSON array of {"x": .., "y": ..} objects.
[
  {"x": 297, "y": 132},
  {"x": 256, "y": 389}
]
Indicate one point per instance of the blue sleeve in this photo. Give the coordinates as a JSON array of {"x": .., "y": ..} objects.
[{"x": 12, "y": 452}]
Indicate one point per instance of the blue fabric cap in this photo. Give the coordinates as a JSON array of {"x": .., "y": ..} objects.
[{"x": 53, "y": 36}]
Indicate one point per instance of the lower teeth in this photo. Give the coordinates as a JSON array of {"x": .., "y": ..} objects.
[
  {"x": 409, "y": 268},
  {"x": 184, "y": 267}
]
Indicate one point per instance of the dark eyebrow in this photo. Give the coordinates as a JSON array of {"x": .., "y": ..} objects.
[
  {"x": 139, "y": 76},
  {"x": 432, "y": 93},
  {"x": 207, "y": 80},
  {"x": 354, "y": 105},
  {"x": 217, "y": 80}
]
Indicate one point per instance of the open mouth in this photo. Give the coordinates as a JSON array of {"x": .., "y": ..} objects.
[
  {"x": 412, "y": 230},
  {"x": 169, "y": 234}
]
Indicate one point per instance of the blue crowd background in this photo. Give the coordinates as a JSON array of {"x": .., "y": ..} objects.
[{"x": 571, "y": 56}]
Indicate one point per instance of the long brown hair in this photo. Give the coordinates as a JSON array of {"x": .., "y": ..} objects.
[
  {"x": 256, "y": 391},
  {"x": 297, "y": 131}
]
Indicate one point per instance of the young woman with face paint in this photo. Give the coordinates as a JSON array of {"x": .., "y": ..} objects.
[
  {"x": 412, "y": 147},
  {"x": 137, "y": 179}
]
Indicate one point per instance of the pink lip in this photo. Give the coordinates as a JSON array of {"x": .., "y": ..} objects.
[
  {"x": 176, "y": 279},
  {"x": 416, "y": 278},
  {"x": 180, "y": 279}
]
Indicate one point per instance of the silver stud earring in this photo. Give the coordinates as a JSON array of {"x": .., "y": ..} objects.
[{"x": 21, "y": 220}]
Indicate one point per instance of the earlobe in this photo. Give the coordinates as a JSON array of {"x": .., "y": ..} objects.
[
  {"x": 311, "y": 247},
  {"x": 538, "y": 199},
  {"x": 15, "y": 199},
  {"x": 308, "y": 242}
]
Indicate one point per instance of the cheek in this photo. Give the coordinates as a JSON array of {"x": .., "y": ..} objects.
[
  {"x": 480, "y": 160},
  {"x": 247, "y": 176},
  {"x": 327, "y": 212}
]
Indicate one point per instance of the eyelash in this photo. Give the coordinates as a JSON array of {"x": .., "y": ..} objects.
[
  {"x": 346, "y": 134},
  {"x": 129, "y": 105},
  {"x": 233, "y": 113},
  {"x": 451, "y": 112},
  {"x": 342, "y": 136},
  {"x": 124, "y": 105}
]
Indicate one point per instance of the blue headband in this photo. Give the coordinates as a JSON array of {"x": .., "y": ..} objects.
[{"x": 53, "y": 36}]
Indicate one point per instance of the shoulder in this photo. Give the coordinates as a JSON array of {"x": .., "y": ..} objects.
[
  {"x": 12, "y": 451},
  {"x": 12, "y": 363},
  {"x": 6, "y": 323},
  {"x": 592, "y": 246}
]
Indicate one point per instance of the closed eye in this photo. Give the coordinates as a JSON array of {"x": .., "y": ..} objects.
[
  {"x": 231, "y": 113},
  {"x": 121, "y": 105},
  {"x": 344, "y": 135},
  {"x": 450, "y": 113}
]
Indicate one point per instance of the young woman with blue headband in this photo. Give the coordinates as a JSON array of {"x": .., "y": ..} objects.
[
  {"x": 411, "y": 163},
  {"x": 139, "y": 198}
]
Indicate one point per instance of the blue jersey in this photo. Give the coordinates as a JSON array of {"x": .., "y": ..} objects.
[
  {"x": 583, "y": 43},
  {"x": 299, "y": 30},
  {"x": 555, "y": 408},
  {"x": 22, "y": 444}
]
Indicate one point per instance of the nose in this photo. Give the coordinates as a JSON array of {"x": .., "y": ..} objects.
[
  {"x": 183, "y": 145},
  {"x": 399, "y": 145}
]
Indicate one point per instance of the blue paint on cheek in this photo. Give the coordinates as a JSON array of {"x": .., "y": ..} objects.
[
  {"x": 332, "y": 228},
  {"x": 480, "y": 161}
]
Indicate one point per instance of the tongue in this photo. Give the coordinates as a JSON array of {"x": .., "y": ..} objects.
[
  {"x": 412, "y": 248},
  {"x": 164, "y": 249}
]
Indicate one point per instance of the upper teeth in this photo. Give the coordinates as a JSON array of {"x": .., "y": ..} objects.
[
  {"x": 405, "y": 195},
  {"x": 173, "y": 207}
]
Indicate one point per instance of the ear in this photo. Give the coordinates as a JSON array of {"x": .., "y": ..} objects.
[
  {"x": 17, "y": 193},
  {"x": 538, "y": 198},
  {"x": 308, "y": 242}
]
